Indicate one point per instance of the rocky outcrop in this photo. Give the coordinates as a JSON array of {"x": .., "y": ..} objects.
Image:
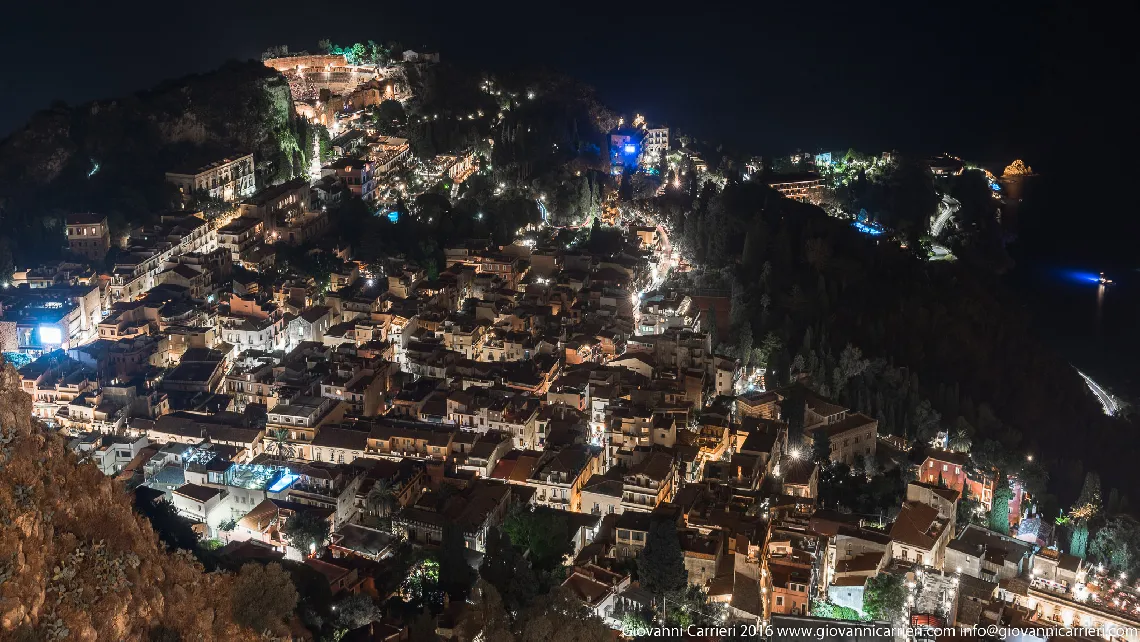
[
  {"x": 76, "y": 562},
  {"x": 99, "y": 155}
]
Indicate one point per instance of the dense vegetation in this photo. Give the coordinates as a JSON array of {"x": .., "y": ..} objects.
[
  {"x": 110, "y": 156},
  {"x": 945, "y": 351}
]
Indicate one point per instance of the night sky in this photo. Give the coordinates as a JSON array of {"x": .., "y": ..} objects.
[
  {"x": 1047, "y": 82},
  {"x": 975, "y": 79}
]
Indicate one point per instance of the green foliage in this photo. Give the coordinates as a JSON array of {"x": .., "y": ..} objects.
[
  {"x": 381, "y": 497},
  {"x": 1079, "y": 539},
  {"x": 999, "y": 512},
  {"x": 263, "y": 596},
  {"x": 543, "y": 532},
  {"x": 661, "y": 564},
  {"x": 508, "y": 571},
  {"x": 884, "y": 598},
  {"x": 306, "y": 531},
  {"x": 834, "y": 611},
  {"x": 354, "y": 611},
  {"x": 843, "y": 488},
  {"x": 1116, "y": 544},
  {"x": 970, "y": 511}
]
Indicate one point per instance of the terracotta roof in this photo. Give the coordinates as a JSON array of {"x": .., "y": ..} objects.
[{"x": 917, "y": 525}]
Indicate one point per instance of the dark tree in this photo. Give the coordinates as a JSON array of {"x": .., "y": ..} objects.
[
  {"x": 306, "y": 531},
  {"x": 820, "y": 446},
  {"x": 175, "y": 531},
  {"x": 455, "y": 572},
  {"x": 263, "y": 597},
  {"x": 661, "y": 564}
]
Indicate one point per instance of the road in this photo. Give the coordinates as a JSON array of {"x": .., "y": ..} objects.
[
  {"x": 946, "y": 209},
  {"x": 1107, "y": 401}
]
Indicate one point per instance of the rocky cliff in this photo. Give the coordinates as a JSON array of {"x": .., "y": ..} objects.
[{"x": 76, "y": 562}]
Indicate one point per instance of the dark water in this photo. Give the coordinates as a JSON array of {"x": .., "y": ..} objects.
[{"x": 1064, "y": 240}]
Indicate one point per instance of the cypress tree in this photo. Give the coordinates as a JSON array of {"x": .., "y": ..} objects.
[{"x": 999, "y": 514}]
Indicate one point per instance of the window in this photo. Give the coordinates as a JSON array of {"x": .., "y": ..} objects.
[
  {"x": 945, "y": 468},
  {"x": 779, "y": 600}
]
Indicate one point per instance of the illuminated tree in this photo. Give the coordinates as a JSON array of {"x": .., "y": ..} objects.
[
  {"x": 1117, "y": 544},
  {"x": 999, "y": 513},
  {"x": 884, "y": 598},
  {"x": 1079, "y": 539},
  {"x": 306, "y": 531}
]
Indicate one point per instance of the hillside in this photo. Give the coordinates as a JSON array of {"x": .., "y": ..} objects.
[
  {"x": 77, "y": 562},
  {"x": 110, "y": 156}
]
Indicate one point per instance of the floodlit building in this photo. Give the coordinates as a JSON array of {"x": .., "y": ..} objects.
[
  {"x": 230, "y": 179},
  {"x": 88, "y": 235}
]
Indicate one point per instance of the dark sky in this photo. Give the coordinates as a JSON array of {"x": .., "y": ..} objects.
[{"x": 984, "y": 81}]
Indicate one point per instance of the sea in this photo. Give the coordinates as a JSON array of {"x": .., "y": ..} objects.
[{"x": 1062, "y": 236}]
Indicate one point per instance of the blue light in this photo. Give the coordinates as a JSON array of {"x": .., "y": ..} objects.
[
  {"x": 631, "y": 149},
  {"x": 1080, "y": 276},
  {"x": 995, "y": 187},
  {"x": 283, "y": 482},
  {"x": 872, "y": 229},
  {"x": 393, "y": 216}
]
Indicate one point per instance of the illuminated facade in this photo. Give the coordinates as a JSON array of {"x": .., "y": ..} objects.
[
  {"x": 229, "y": 179},
  {"x": 88, "y": 235}
]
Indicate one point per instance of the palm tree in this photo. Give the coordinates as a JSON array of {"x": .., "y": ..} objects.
[
  {"x": 279, "y": 443},
  {"x": 960, "y": 441},
  {"x": 382, "y": 497}
]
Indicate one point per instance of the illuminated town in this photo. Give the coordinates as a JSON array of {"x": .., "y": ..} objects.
[{"x": 471, "y": 360}]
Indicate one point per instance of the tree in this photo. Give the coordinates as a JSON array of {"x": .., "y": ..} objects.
[
  {"x": 661, "y": 564},
  {"x": 884, "y": 597},
  {"x": 834, "y": 611},
  {"x": 792, "y": 408},
  {"x": 1117, "y": 544},
  {"x": 173, "y": 529},
  {"x": 279, "y": 443},
  {"x": 999, "y": 512},
  {"x": 306, "y": 531},
  {"x": 1088, "y": 502},
  {"x": 263, "y": 597},
  {"x": 1079, "y": 539},
  {"x": 381, "y": 497},
  {"x": 507, "y": 571},
  {"x": 820, "y": 446},
  {"x": 970, "y": 511},
  {"x": 542, "y": 532},
  {"x": 7, "y": 265},
  {"x": 455, "y": 572},
  {"x": 355, "y": 611}
]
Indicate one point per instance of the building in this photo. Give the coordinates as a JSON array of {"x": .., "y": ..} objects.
[
  {"x": 798, "y": 187},
  {"x": 88, "y": 235},
  {"x": 920, "y": 536},
  {"x": 625, "y": 150},
  {"x": 230, "y": 179},
  {"x": 656, "y": 144},
  {"x": 358, "y": 174},
  {"x": 989, "y": 556}
]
